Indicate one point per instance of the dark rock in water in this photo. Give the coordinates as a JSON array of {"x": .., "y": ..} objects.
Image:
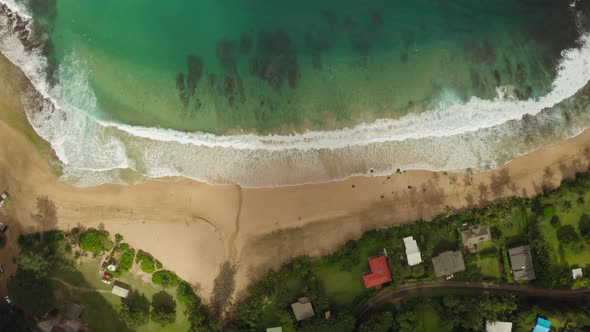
[
  {"x": 529, "y": 91},
  {"x": 508, "y": 67},
  {"x": 497, "y": 76},
  {"x": 224, "y": 51},
  {"x": 316, "y": 60},
  {"x": 276, "y": 61},
  {"x": 404, "y": 58},
  {"x": 476, "y": 80},
  {"x": 182, "y": 89},
  {"x": 377, "y": 18},
  {"x": 245, "y": 44},
  {"x": 211, "y": 80},
  {"x": 520, "y": 74},
  {"x": 330, "y": 19},
  {"x": 229, "y": 88},
  {"x": 195, "y": 71}
]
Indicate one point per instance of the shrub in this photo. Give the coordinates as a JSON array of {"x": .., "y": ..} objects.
[
  {"x": 584, "y": 226},
  {"x": 118, "y": 238},
  {"x": 165, "y": 278},
  {"x": 555, "y": 222},
  {"x": 95, "y": 241},
  {"x": 568, "y": 237},
  {"x": 158, "y": 265},
  {"x": 126, "y": 260},
  {"x": 549, "y": 211},
  {"x": 146, "y": 261}
]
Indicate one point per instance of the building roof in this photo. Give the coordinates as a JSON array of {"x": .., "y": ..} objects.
[
  {"x": 476, "y": 234},
  {"x": 448, "y": 263},
  {"x": 577, "y": 273},
  {"x": 47, "y": 325},
  {"x": 412, "y": 251},
  {"x": 274, "y": 329},
  {"x": 120, "y": 291},
  {"x": 302, "y": 309},
  {"x": 72, "y": 326},
  {"x": 498, "y": 327},
  {"x": 73, "y": 311},
  {"x": 543, "y": 325},
  {"x": 521, "y": 263},
  {"x": 380, "y": 273}
]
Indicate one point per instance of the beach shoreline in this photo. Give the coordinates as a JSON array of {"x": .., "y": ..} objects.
[{"x": 194, "y": 227}]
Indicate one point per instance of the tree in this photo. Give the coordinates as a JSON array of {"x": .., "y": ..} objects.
[
  {"x": 163, "y": 308},
  {"x": 377, "y": 323},
  {"x": 118, "y": 238},
  {"x": 39, "y": 263},
  {"x": 555, "y": 222},
  {"x": 95, "y": 241},
  {"x": 584, "y": 226},
  {"x": 406, "y": 321},
  {"x": 342, "y": 323},
  {"x": 568, "y": 237},
  {"x": 135, "y": 310},
  {"x": 165, "y": 278},
  {"x": 567, "y": 206}
]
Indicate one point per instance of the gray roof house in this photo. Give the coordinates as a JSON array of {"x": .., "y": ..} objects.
[
  {"x": 302, "y": 309},
  {"x": 74, "y": 311},
  {"x": 474, "y": 235},
  {"x": 448, "y": 263},
  {"x": 521, "y": 263},
  {"x": 120, "y": 291}
]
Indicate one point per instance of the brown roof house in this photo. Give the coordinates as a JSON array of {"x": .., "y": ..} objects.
[
  {"x": 521, "y": 263},
  {"x": 474, "y": 235},
  {"x": 448, "y": 263},
  {"x": 303, "y": 309}
]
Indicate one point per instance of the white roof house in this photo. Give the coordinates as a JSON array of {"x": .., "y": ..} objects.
[
  {"x": 412, "y": 251},
  {"x": 120, "y": 291},
  {"x": 577, "y": 273},
  {"x": 498, "y": 327}
]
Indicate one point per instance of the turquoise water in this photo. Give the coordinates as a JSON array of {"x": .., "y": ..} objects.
[{"x": 223, "y": 66}]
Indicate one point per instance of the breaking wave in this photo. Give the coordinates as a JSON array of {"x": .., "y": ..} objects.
[{"x": 450, "y": 135}]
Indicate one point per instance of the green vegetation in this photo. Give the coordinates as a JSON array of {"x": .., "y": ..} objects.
[
  {"x": 127, "y": 254},
  {"x": 146, "y": 261},
  {"x": 40, "y": 287},
  {"x": 165, "y": 279},
  {"x": 95, "y": 241}
]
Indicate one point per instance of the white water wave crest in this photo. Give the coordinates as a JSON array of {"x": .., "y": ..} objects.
[{"x": 452, "y": 135}]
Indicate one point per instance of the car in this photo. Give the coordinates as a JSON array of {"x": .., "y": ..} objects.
[
  {"x": 1, "y": 268},
  {"x": 103, "y": 266},
  {"x": 3, "y": 198},
  {"x": 106, "y": 281},
  {"x": 3, "y": 227},
  {"x": 8, "y": 300},
  {"x": 450, "y": 277}
]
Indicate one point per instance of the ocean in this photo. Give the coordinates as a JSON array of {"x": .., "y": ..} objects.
[{"x": 270, "y": 93}]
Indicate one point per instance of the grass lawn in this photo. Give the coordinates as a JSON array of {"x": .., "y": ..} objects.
[
  {"x": 489, "y": 267},
  {"x": 342, "y": 287}
]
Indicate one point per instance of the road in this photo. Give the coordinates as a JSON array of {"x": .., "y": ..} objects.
[
  {"x": 396, "y": 294},
  {"x": 79, "y": 289}
]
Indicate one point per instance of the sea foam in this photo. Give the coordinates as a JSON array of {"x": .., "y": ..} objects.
[{"x": 451, "y": 135}]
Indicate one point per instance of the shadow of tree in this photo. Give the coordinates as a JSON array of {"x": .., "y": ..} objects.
[
  {"x": 500, "y": 181},
  {"x": 483, "y": 193},
  {"x": 163, "y": 299},
  {"x": 46, "y": 216},
  {"x": 223, "y": 288}
]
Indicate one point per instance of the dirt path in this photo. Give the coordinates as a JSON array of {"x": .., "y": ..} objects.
[
  {"x": 402, "y": 292},
  {"x": 79, "y": 289}
]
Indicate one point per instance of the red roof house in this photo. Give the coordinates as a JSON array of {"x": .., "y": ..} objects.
[{"x": 380, "y": 273}]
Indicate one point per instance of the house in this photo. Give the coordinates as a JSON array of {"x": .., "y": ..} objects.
[
  {"x": 498, "y": 327},
  {"x": 543, "y": 325},
  {"x": 577, "y": 273},
  {"x": 380, "y": 273},
  {"x": 412, "y": 251},
  {"x": 448, "y": 263},
  {"x": 474, "y": 235},
  {"x": 120, "y": 291},
  {"x": 274, "y": 329},
  {"x": 47, "y": 325},
  {"x": 73, "y": 311},
  {"x": 521, "y": 263},
  {"x": 302, "y": 309}
]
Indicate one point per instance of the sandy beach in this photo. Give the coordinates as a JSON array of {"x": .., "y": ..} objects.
[{"x": 194, "y": 227}]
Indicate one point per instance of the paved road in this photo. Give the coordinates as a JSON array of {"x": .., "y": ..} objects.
[{"x": 401, "y": 292}]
